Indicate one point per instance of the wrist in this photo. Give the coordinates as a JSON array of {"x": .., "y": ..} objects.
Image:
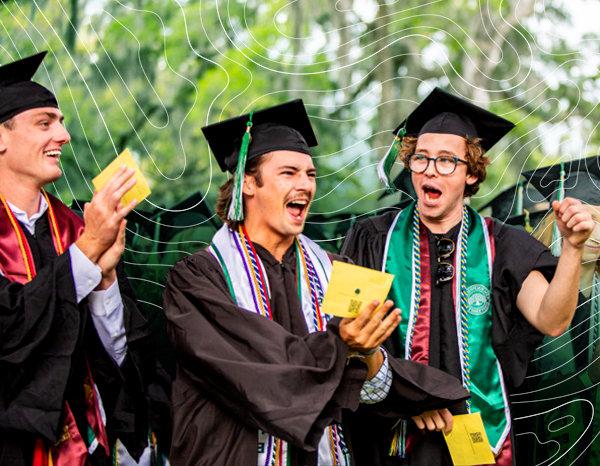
[
  {"x": 89, "y": 247},
  {"x": 108, "y": 278},
  {"x": 571, "y": 248}
]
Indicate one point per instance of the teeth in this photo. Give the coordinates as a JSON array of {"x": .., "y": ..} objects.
[
  {"x": 299, "y": 202},
  {"x": 53, "y": 153}
]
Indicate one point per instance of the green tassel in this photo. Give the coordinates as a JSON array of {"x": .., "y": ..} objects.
[
  {"x": 236, "y": 208},
  {"x": 519, "y": 202},
  {"x": 384, "y": 167},
  {"x": 556, "y": 239}
]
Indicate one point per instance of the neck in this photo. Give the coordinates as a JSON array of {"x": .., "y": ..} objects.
[
  {"x": 443, "y": 224},
  {"x": 20, "y": 194},
  {"x": 277, "y": 245}
]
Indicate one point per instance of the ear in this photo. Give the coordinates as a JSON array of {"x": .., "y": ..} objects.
[
  {"x": 471, "y": 180},
  {"x": 2, "y": 140},
  {"x": 249, "y": 185}
]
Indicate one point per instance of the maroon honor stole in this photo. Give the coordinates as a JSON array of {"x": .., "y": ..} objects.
[{"x": 17, "y": 265}]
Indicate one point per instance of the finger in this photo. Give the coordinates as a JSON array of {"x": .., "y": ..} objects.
[
  {"x": 429, "y": 423},
  {"x": 568, "y": 203},
  {"x": 418, "y": 420},
  {"x": 364, "y": 315},
  {"x": 585, "y": 226},
  {"x": 118, "y": 180},
  {"x": 384, "y": 329},
  {"x": 119, "y": 193},
  {"x": 438, "y": 421},
  {"x": 114, "y": 180},
  {"x": 390, "y": 326},
  {"x": 374, "y": 321},
  {"x": 578, "y": 218},
  {"x": 448, "y": 420},
  {"x": 124, "y": 211}
]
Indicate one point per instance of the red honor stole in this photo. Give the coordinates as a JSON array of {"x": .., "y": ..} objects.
[{"x": 16, "y": 263}]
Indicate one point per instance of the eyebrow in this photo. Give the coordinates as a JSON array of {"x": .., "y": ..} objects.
[
  {"x": 52, "y": 116},
  {"x": 442, "y": 152}
]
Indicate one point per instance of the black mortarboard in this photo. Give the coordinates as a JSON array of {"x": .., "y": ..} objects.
[
  {"x": 18, "y": 92},
  {"x": 236, "y": 141},
  {"x": 581, "y": 180},
  {"x": 444, "y": 113},
  {"x": 282, "y": 127},
  {"x": 509, "y": 202}
]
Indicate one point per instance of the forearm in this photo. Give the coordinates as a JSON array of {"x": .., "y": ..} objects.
[{"x": 560, "y": 300}]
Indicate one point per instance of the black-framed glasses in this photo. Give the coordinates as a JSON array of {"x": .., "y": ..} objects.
[
  {"x": 444, "y": 164},
  {"x": 444, "y": 271}
]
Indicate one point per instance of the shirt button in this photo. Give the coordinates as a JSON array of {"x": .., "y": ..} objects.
[
  {"x": 90, "y": 282},
  {"x": 114, "y": 334}
]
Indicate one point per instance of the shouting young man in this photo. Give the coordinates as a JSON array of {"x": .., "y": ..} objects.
[
  {"x": 263, "y": 376},
  {"x": 477, "y": 296},
  {"x": 75, "y": 357}
]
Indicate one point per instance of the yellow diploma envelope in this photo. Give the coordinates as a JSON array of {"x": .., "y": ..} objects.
[
  {"x": 139, "y": 191},
  {"x": 352, "y": 287},
  {"x": 468, "y": 442}
]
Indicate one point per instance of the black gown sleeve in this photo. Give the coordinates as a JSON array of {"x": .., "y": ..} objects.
[
  {"x": 514, "y": 339},
  {"x": 28, "y": 311},
  {"x": 260, "y": 374}
]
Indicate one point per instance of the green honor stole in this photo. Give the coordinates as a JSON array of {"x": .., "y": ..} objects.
[{"x": 407, "y": 257}]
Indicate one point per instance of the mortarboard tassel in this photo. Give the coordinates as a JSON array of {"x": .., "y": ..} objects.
[
  {"x": 236, "y": 208},
  {"x": 556, "y": 239},
  {"x": 519, "y": 200},
  {"x": 384, "y": 167}
]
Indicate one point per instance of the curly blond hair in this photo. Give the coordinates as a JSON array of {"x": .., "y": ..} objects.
[{"x": 477, "y": 161}]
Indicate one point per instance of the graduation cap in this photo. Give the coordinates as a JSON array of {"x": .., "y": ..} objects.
[
  {"x": 514, "y": 200},
  {"x": 580, "y": 179},
  {"x": 237, "y": 140},
  {"x": 18, "y": 92},
  {"x": 444, "y": 113}
]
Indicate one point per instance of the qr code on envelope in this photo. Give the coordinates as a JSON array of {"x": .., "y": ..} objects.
[{"x": 354, "y": 307}]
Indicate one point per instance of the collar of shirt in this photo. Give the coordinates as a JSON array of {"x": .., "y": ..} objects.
[{"x": 29, "y": 222}]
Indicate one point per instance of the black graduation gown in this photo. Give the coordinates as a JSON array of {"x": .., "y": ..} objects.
[
  {"x": 239, "y": 372},
  {"x": 513, "y": 338},
  {"x": 45, "y": 337}
]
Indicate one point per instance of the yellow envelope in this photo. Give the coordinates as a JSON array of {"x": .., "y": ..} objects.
[
  {"x": 468, "y": 442},
  {"x": 139, "y": 191},
  {"x": 352, "y": 287}
]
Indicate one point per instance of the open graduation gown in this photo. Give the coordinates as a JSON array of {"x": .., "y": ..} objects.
[
  {"x": 513, "y": 338},
  {"x": 46, "y": 339},
  {"x": 239, "y": 372}
]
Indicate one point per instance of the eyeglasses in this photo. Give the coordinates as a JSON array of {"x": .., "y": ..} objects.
[
  {"x": 445, "y": 270},
  {"x": 444, "y": 165}
]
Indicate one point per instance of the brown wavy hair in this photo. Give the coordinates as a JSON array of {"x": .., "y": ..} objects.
[
  {"x": 477, "y": 161},
  {"x": 226, "y": 190}
]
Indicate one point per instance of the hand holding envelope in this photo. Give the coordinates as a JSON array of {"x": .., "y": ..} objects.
[
  {"x": 351, "y": 288},
  {"x": 138, "y": 192}
]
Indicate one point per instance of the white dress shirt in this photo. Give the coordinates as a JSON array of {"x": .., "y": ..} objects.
[{"x": 106, "y": 306}]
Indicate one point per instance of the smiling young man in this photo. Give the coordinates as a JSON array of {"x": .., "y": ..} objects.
[
  {"x": 477, "y": 296},
  {"x": 73, "y": 345},
  {"x": 263, "y": 376}
]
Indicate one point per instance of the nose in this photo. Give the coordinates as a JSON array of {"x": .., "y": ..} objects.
[
  {"x": 430, "y": 170},
  {"x": 61, "y": 135}
]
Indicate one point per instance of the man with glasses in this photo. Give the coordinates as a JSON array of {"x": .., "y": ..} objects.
[{"x": 476, "y": 296}]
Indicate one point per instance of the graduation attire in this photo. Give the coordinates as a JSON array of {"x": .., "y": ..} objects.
[
  {"x": 59, "y": 384},
  {"x": 438, "y": 330},
  {"x": 245, "y": 369}
]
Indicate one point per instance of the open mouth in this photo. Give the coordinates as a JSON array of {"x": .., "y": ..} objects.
[
  {"x": 297, "y": 208},
  {"x": 431, "y": 193},
  {"x": 55, "y": 154}
]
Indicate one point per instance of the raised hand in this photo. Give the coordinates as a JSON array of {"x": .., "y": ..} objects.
[
  {"x": 574, "y": 221},
  {"x": 104, "y": 213},
  {"x": 370, "y": 328},
  {"x": 109, "y": 260}
]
